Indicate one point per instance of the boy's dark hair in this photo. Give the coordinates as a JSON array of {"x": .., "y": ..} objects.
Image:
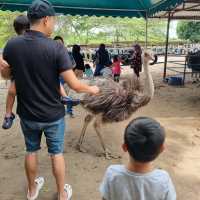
[
  {"x": 87, "y": 66},
  {"x": 144, "y": 137},
  {"x": 21, "y": 24},
  {"x": 59, "y": 38}
]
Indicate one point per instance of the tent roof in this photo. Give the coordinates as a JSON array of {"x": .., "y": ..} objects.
[
  {"x": 188, "y": 10},
  {"x": 115, "y": 8}
]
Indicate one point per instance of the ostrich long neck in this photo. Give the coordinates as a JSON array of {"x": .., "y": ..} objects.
[{"x": 148, "y": 83}]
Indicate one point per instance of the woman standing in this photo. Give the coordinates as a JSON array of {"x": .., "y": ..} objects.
[
  {"x": 102, "y": 59},
  {"x": 136, "y": 60},
  {"x": 79, "y": 68}
]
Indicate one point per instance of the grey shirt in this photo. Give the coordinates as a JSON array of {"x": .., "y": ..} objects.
[{"x": 121, "y": 184}]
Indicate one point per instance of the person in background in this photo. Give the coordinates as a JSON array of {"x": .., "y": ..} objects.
[
  {"x": 20, "y": 24},
  {"x": 65, "y": 99},
  {"x": 116, "y": 68},
  {"x": 138, "y": 180},
  {"x": 136, "y": 60},
  {"x": 60, "y": 39},
  {"x": 106, "y": 72},
  {"x": 37, "y": 62},
  {"x": 101, "y": 60},
  {"x": 78, "y": 58},
  {"x": 88, "y": 71}
]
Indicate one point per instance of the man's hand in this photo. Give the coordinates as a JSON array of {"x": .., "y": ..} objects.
[
  {"x": 3, "y": 64},
  {"x": 94, "y": 90},
  {"x": 71, "y": 79}
]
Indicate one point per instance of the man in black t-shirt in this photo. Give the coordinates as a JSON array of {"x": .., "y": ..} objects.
[{"x": 37, "y": 62}]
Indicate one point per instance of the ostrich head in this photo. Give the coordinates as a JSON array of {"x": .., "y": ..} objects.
[
  {"x": 147, "y": 57},
  {"x": 148, "y": 81}
]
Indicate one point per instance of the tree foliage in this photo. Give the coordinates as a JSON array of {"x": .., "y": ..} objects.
[
  {"x": 84, "y": 30},
  {"x": 189, "y": 31},
  {"x": 93, "y": 30},
  {"x": 6, "y": 26}
]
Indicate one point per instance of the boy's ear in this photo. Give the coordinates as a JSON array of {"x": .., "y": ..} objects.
[
  {"x": 162, "y": 148},
  {"x": 124, "y": 147}
]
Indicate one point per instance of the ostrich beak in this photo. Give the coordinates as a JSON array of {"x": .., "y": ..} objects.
[
  {"x": 149, "y": 56},
  {"x": 153, "y": 58}
]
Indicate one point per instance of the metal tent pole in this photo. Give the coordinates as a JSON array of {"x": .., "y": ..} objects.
[
  {"x": 146, "y": 41},
  {"x": 166, "y": 47}
]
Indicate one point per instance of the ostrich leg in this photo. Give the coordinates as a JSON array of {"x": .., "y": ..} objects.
[
  {"x": 107, "y": 153},
  {"x": 87, "y": 120}
]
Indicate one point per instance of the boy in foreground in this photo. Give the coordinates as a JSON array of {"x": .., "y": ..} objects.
[{"x": 138, "y": 180}]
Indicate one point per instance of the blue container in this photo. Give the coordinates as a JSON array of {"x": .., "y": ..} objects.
[{"x": 174, "y": 80}]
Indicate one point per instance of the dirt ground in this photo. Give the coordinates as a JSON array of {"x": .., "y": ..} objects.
[{"x": 177, "y": 108}]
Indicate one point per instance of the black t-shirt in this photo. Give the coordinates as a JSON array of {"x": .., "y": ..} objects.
[{"x": 36, "y": 63}]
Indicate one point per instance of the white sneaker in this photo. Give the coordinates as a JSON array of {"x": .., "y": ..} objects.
[
  {"x": 68, "y": 190},
  {"x": 39, "y": 184}
]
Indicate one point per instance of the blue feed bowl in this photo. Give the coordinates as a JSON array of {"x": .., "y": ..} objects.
[{"x": 175, "y": 80}]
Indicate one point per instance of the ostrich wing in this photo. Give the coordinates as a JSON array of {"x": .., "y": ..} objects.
[{"x": 116, "y": 102}]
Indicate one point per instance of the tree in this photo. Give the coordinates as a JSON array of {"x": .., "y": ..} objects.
[
  {"x": 78, "y": 29},
  {"x": 6, "y": 26},
  {"x": 189, "y": 31},
  {"x": 93, "y": 30}
]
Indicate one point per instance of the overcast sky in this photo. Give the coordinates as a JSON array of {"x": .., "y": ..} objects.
[{"x": 173, "y": 29}]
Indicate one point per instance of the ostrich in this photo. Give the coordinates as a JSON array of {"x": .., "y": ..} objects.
[{"x": 116, "y": 102}]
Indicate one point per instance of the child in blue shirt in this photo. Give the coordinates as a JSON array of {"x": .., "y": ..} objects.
[
  {"x": 66, "y": 100},
  {"x": 88, "y": 71}
]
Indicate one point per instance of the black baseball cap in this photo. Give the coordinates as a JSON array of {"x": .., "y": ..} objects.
[{"x": 39, "y": 9}]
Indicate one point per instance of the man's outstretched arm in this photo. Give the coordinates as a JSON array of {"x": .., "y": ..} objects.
[{"x": 71, "y": 79}]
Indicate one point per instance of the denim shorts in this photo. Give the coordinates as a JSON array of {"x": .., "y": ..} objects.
[{"x": 53, "y": 131}]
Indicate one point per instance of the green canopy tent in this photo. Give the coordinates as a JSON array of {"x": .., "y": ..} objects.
[{"x": 115, "y": 8}]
